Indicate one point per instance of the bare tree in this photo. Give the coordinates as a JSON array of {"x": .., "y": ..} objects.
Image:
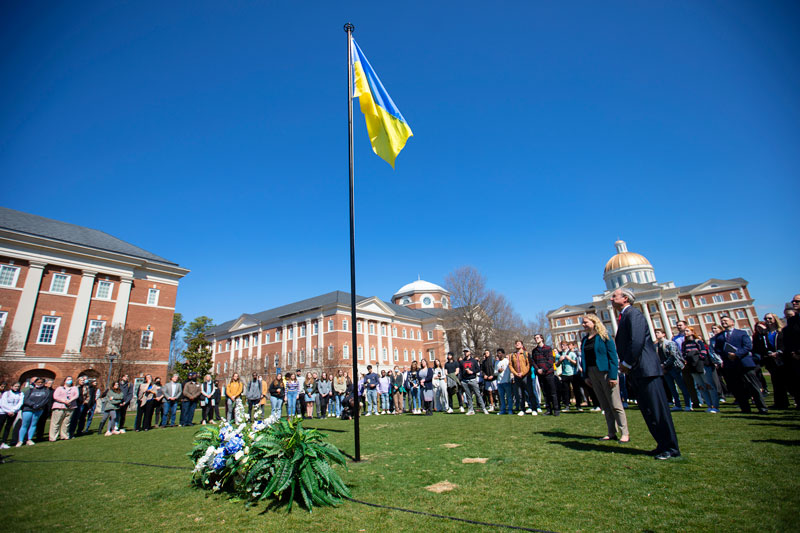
[
  {"x": 480, "y": 317},
  {"x": 125, "y": 344}
]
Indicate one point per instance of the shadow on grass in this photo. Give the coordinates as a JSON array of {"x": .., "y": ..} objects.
[
  {"x": 589, "y": 447},
  {"x": 564, "y": 435},
  {"x": 779, "y": 441}
]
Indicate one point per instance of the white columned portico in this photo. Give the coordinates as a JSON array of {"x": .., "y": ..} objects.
[
  {"x": 379, "y": 353},
  {"x": 284, "y": 355},
  {"x": 308, "y": 343},
  {"x": 258, "y": 349},
  {"x": 365, "y": 332},
  {"x": 295, "y": 353},
  {"x": 389, "y": 332},
  {"x": 321, "y": 335},
  {"x": 80, "y": 312},
  {"x": 667, "y": 324},
  {"x": 121, "y": 307},
  {"x": 649, "y": 321},
  {"x": 23, "y": 318}
]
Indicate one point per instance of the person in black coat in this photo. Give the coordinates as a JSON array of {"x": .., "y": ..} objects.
[{"x": 639, "y": 361}]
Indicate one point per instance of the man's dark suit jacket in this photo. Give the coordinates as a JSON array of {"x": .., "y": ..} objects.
[
  {"x": 740, "y": 340},
  {"x": 635, "y": 346}
]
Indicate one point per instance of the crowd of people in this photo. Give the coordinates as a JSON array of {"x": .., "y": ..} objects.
[{"x": 582, "y": 376}]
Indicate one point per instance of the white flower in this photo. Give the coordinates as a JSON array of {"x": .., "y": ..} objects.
[{"x": 238, "y": 455}]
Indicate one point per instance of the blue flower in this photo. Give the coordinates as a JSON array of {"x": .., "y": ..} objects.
[
  {"x": 233, "y": 445},
  {"x": 219, "y": 461}
]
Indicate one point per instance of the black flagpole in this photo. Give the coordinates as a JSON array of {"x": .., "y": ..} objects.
[{"x": 354, "y": 351}]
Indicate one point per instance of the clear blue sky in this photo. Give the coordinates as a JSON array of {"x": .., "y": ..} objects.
[{"x": 214, "y": 134}]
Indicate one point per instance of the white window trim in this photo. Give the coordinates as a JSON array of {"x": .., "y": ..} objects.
[
  {"x": 110, "y": 289},
  {"x": 102, "y": 335},
  {"x": 3, "y": 318},
  {"x": 345, "y": 352},
  {"x": 430, "y": 334},
  {"x": 157, "y": 293},
  {"x": 54, "y": 337},
  {"x": 15, "y": 276},
  {"x": 66, "y": 283},
  {"x": 146, "y": 334}
]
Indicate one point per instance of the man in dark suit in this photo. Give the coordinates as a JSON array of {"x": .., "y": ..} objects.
[
  {"x": 739, "y": 365},
  {"x": 639, "y": 361}
]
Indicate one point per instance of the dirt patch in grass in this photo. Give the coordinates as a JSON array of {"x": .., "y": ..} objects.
[
  {"x": 451, "y": 445},
  {"x": 442, "y": 486},
  {"x": 470, "y": 460}
]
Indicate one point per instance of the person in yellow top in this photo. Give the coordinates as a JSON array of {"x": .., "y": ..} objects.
[
  {"x": 233, "y": 391},
  {"x": 264, "y": 395}
]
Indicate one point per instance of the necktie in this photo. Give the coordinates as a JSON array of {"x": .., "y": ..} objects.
[
  {"x": 727, "y": 335},
  {"x": 619, "y": 317}
]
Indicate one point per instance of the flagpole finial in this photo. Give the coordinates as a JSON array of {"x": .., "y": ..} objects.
[{"x": 349, "y": 28}]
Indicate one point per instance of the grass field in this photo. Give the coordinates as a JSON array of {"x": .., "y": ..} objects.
[{"x": 738, "y": 473}]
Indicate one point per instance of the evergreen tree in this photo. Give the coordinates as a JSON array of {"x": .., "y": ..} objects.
[{"x": 197, "y": 355}]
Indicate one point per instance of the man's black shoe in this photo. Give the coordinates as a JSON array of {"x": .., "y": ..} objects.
[{"x": 663, "y": 456}]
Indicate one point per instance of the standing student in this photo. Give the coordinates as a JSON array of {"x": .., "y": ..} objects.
[
  {"x": 489, "y": 379},
  {"x": 384, "y": 387},
  {"x": 191, "y": 392},
  {"x": 233, "y": 391},
  {"x": 292, "y": 391},
  {"x": 217, "y": 398},
  {"x": 453, "y": 382},
  {"x": 520, "y": 366},
  {"x": 425, "y": 375},
  {"x": 207, "y": 392},
  {"x": 412, "y": 384},
  {"x": 768, "y": 344},
  {"x": 339, "y": 390},
  {"x": 695, "y": 354},
  {"x": 147, "y": 399},
  {"x": 254, "y": 392},
  {"x": 109, "y": 404},
  {"x": 567, "y": 361},
  {"x": 65, "y": 400},
  {"x": 440, "y": 387},
  {"x": 127, "y": 396},
  {"x": 310, "y": 386},
  {"x": 33, "y": 405},
  {"x": 371, "y": 382},
  {"x": 10, "y": 404},
  {"x": 672, "y": 364},
  {"x": 276, "y": 393},
  {"x": 544, "y": 364},
  {"x": 325, "y": 391},
  {"x": 172, "y": 393},
  {"x": 640, "y": 362},
  {"x": 469, "y": 380}
]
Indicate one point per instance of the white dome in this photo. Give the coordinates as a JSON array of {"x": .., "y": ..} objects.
[{"x": 420, "y": 286}]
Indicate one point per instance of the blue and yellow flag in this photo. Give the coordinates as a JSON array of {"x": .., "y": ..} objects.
[{"x": 388, "y": 130}]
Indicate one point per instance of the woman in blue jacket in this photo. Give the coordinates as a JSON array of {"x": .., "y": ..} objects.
[{"x": 601, "y": 367}]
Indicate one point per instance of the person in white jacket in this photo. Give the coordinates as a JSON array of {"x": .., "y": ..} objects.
[{"x": 10, "y": 404}]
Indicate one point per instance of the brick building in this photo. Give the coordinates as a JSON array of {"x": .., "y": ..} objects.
[
  {"x": 663, "y": 304},
  {"x": 70, "y": 296},
  {"x": 316, "y": 334}
]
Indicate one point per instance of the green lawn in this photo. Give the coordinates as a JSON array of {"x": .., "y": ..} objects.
[{"x": 738, "y": 473}]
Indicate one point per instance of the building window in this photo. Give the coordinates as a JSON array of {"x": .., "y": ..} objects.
[
  {"x": 48, "y": 331},
  {"x": 330, "y": 351},
  {"x": 652, "y": 307},
  {"x": 344, "y": 324},
  {"x": 246, "y": 342},
  {"x": 685, "y": 303},
  {"x": 669, "y": 306},
  {"x": 104, "y": 290},
  {"x": 413, "y": 355},
  {"x": 277, "y": 335},
  {"x": 734, "y": 296},
  {"x": 290, "y": 332},
  {"x": 8, "y": 276},
  {"x": 372, "y": 353},
  {"x": 359, "y": 327},
  {"x": 430, "y": 335},
  {"x": 740, "y": 314},
  {"x": 405, "y": 335},
  {"x": 427, "y": 300},
  {"x": 702, "y": 300},
  {"x": 236, "y": 343},
  {"x": 718, "y": 298},
  {"x": 405, "y": 301},
  {"x": 709, "y": 319},
  {"x": 419, "y": 336},
  {"x": 444, "y": 302},
  {"x": 315, "y": 328},
  {"x": 394, "y": 331},
  {"x": 152, "y": 297},
  {"x": 692, "y": 321},
  {"x": 568, "y": 321},
  {"x": 330, "y": 325},
  {"x": 383, "y": 330},
  {"x": 266, "y": 338},
  {"x": 657, "y": 323},
  {"x": 605, "y": 315},
  {"x": 345, "y": 352},
  {"x": 290, "y": 359},
  {"x": 385, "y": 354},
  {"x": 302, "y": 355},
  {"x": 220, "y": 347},
  {"x": 227, "y": 346},
  {"x": 225, "y": 367},
  {"x": 371, "y": 328},
  {"x": 396, "y": 355},
  {"x": 59, "y": 284},
  {"x": 405, "y": 355},
  {"x": 360, "y": 353},
  {"x": 558, "y": 323},
  {"x": 314, "y": 355},
  {"x": 97, "y": 329},
  {"x": 673, "y": 321},
  {"x": 303, "y": 330},
  {"x": 431, "y": 355},
  {"x": 276, "y": 361},
  {"x": 147, "y": 340}
]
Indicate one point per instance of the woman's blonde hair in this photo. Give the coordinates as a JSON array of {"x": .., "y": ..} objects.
[{"x": 599, "y": 327}]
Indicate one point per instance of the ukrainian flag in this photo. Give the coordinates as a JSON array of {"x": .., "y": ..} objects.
[{"x": 388, "y": 130}]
